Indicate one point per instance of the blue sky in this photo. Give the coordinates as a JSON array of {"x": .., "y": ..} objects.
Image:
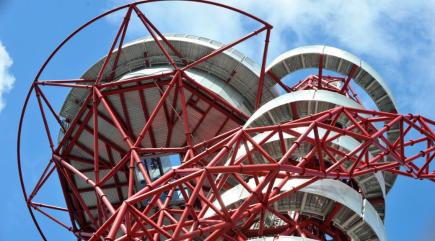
[{"x": 396, "y": 37}]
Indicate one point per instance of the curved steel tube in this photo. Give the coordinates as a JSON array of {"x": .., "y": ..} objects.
[
  {"x": 313, "y": 52},
  {"x": 302, "y": 95},
  {"x": 328, "y": 188}
]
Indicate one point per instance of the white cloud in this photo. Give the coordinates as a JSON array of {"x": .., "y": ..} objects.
[
  {"x": 6, "y": 78},
  {"x": 374, "y": 28},
  {"x": 396, "y": 37}
]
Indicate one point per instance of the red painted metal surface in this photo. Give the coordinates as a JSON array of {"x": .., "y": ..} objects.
[{"x": 212, "y": 166}]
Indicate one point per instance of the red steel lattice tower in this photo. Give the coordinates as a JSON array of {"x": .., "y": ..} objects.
[{"x": 178, "y": 137}]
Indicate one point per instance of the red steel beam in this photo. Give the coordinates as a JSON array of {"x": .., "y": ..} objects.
[{"x": 211, "y": 167}]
